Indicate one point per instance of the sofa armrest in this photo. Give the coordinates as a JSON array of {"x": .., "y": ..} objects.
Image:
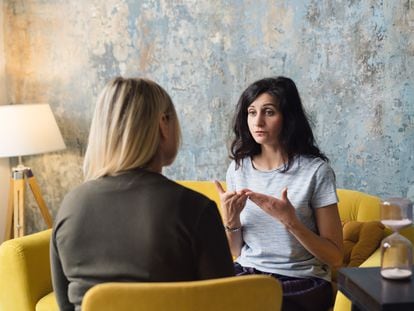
[
  {"x": 25, "y": 275},
  {"x": 374, "y": 260}
]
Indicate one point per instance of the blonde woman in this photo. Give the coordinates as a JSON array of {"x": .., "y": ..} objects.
[{"x": 127, "y": 222}]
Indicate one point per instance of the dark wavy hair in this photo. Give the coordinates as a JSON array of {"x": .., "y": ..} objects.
[{"x": 296, "y": 137}]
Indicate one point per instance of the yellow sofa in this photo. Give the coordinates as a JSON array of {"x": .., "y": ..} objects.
[{"x": 25, "y": 280}]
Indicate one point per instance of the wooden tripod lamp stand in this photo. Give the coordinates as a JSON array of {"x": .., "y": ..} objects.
[
  {"x": 26, "y": 130},
  {"x": 15, "y": 213}
]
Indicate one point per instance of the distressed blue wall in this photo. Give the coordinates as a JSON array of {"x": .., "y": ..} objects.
[{"x": 353, "y": 62}]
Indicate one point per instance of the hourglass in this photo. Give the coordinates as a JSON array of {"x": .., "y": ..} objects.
[{"x": 396, "y": 250}]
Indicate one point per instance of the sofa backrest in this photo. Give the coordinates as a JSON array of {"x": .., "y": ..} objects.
[
  {"x": 359, "y": 206},
  {"x": 247, "y": 292}
]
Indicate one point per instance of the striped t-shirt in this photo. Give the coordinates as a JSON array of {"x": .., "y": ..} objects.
[{"x": 268, "y": 246}]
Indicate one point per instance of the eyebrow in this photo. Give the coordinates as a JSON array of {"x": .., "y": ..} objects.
[{"x": 264, "y": 106}]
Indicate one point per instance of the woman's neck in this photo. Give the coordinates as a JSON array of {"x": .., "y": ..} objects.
[
  {"x": 155, "y": 165},
  {"x": 269, "y": 159}
]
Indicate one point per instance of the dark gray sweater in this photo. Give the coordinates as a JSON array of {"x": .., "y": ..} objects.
[{"x": 135, "y": 227}]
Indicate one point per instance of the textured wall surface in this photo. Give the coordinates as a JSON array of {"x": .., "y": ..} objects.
[
  {"x": 4, "y": 162},
  {"x": 353, "y": 62}
]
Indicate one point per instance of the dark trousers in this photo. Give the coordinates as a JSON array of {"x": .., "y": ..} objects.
[{"x": 307, "y": 294}]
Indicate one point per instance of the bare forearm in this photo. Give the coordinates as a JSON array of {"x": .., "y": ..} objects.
[
  {"x": 235, "y": 240},
  {"x": 234, "y": 232},
  {"x": 322, "y": 248}
]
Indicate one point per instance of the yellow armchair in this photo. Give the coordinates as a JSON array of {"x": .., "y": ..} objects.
[
  {"x": 25, "y": 278},
  {"x": 249, "y": 293}
]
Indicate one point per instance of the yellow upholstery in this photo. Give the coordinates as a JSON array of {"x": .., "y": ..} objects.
[
  {"x": 244, "y": 293},
  {"x": 25, "y": 273},
  {"x": 355, "y": 205},
  {"x": 25, "y": 282}
]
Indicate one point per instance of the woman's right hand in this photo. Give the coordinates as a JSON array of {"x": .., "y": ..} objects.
[{"x": 232, "y": 203}]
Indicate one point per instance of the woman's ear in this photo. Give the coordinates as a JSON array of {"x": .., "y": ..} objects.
[{"x": 164, "y": 130}]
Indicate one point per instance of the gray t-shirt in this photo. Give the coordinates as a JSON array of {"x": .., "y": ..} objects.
[{"x": 268, "y": 246}]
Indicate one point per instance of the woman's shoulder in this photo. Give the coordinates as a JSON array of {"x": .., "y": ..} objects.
[
  {"x": 314, "y": 165},
  {"x": 191, "y": 202},
  {"x": 186, "y": 193},
  {"x": 307, "y": 160},
  {"x": 79, "y": 191}
]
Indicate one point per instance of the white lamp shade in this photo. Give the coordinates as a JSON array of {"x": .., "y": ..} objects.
[{"x": 28, "y": 129}]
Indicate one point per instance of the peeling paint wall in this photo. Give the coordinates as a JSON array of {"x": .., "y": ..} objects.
[{"x": 353, "y": 62}]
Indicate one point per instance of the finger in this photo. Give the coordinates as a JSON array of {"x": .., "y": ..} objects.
[
  {"x": 241, "y": 200},
  {"x": 219, "y": 187},
  {"x": 285, "y": 194},
  {"x": 233, "y": 198},
  {"x": 256, "y": 197}
]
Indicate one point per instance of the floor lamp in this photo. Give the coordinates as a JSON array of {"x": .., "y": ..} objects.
[{"x": 26, "y": 130}]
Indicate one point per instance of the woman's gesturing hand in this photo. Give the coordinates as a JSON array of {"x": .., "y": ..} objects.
[
  {"x": 280, "y": 209},
  {"x": 232, "y": 203}
]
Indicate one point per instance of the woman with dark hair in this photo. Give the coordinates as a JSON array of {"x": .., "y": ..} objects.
[{"x": 297, "y": 236}]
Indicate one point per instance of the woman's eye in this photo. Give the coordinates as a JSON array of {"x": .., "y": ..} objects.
[
  {"x": 269, "y": 112},
  {"x": 251, "y": 113}
]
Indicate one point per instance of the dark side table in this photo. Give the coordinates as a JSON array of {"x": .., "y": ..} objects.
[{"x": 369, "y": 291}]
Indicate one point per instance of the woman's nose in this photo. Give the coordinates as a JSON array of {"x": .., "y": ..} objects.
[{"x": 259, "y": 119}]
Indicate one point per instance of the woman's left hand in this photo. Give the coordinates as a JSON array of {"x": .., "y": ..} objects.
[
  {"x": 327, "y": 245},
  {"x": 280, "y": 209}
]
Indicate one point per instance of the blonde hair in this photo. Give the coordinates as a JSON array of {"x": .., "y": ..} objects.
[{"x": 125, "y": 132}]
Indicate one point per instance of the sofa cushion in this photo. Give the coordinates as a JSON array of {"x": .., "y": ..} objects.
[{"x": 361, "y": 239}]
